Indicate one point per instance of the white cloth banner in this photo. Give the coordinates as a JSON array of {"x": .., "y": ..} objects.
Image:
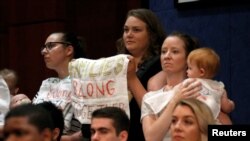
[{"x": 98, "y": 83}]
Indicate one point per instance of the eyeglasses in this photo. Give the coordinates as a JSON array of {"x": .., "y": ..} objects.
[{"x": 51, "y": 45}]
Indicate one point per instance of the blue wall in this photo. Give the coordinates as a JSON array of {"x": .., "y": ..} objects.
[{"x": 227, "y": 30}]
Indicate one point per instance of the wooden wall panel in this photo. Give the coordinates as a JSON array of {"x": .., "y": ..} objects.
[
  {"x": 3, "y": 33},
  {"x": 30, "y": 12},
  {"x": 3, "y": 50},
  {"x": 100, "y": 22}
]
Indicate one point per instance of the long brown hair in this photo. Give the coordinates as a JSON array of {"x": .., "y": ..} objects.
[{"x": 155, "y": 29}]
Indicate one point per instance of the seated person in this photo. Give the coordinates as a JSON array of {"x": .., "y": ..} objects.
[
  {"x": 190, "y": 120},
  {"x": 109, "y": 124},
  {"x": 57, "y": 118},
  {"x": 28, "y": 122}
]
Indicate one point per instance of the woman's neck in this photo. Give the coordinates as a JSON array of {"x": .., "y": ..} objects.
[
  {"x": 63, "y": 71},
  {"x": 137, "y": 60},
  {"x": 138, "y": 56}
]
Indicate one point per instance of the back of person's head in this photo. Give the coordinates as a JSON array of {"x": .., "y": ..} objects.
[
  {"x": 56, "y": 115},
  {"x": 120, "y": 119},
  {"x": 202, "y": 113},
  {"x": 154, "y": 28},
  {"x": 75, "y": 41},
  {"x": 37, "y": 116},
  {"x": 11, "y": 78},
  {"x": 190, "y": 42},
  {"x": 207, "y": 59}
]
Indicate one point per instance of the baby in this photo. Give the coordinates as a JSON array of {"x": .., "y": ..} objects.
[{"x": 204, "y": 63}]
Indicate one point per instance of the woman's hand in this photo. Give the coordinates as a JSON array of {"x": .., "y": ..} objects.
[
  {"x": 131, "y": 71},
  {"x": 189, "y": 88}
]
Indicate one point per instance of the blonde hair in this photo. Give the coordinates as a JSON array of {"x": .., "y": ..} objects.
[
  {"x": 207, "y": 59},
  {"x": 202, "y": 113}
]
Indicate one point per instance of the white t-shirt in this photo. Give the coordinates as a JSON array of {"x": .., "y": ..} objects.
[
  {"x": 4, "y": 99},
  {"x": 155, "y": 101},
  {"x": 58, "y": 91}
]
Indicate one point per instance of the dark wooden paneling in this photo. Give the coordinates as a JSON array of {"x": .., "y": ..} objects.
[
  {"x": 25, "y": 12},
  {"x": 3, "y": 33},
  {"x": 101, "y": 23}
]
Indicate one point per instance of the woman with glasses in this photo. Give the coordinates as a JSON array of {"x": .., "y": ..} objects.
[{"x": 58, "y": 50}]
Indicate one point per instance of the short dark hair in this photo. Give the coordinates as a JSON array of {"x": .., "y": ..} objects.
[
  {"x": 56, "y": 115},
  {"x": 37, "y": 116},
  {"x": 118, "y": 115}
]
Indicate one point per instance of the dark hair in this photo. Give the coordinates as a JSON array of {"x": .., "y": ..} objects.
[
  {"x": 56, "y": 115},
  {"x": 155, "y": 29},
  {"x": 191, "y": 43},
  {"x": 118, "y": 115},
  {"x": 37, "y": 116},
  {"x": 77, "y": 42}
]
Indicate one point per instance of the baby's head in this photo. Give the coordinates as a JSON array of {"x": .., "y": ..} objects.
[
  {"x": 18, "y": 100},
  {"x": 203, "y": 63}
]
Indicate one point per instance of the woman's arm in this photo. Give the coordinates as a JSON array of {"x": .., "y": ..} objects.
[
  {"x": 155, "y": 128},
  {"x": 157, "y": 81},
  {"x": 77, "y": 136},
  {"x": 134, "y": 83}
]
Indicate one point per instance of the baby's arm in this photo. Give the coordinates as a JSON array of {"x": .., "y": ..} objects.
[
  {"x": 224, "y": 119},
  {"x": 157, "y": 81},
  {"x": 227, "y": 105}
]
